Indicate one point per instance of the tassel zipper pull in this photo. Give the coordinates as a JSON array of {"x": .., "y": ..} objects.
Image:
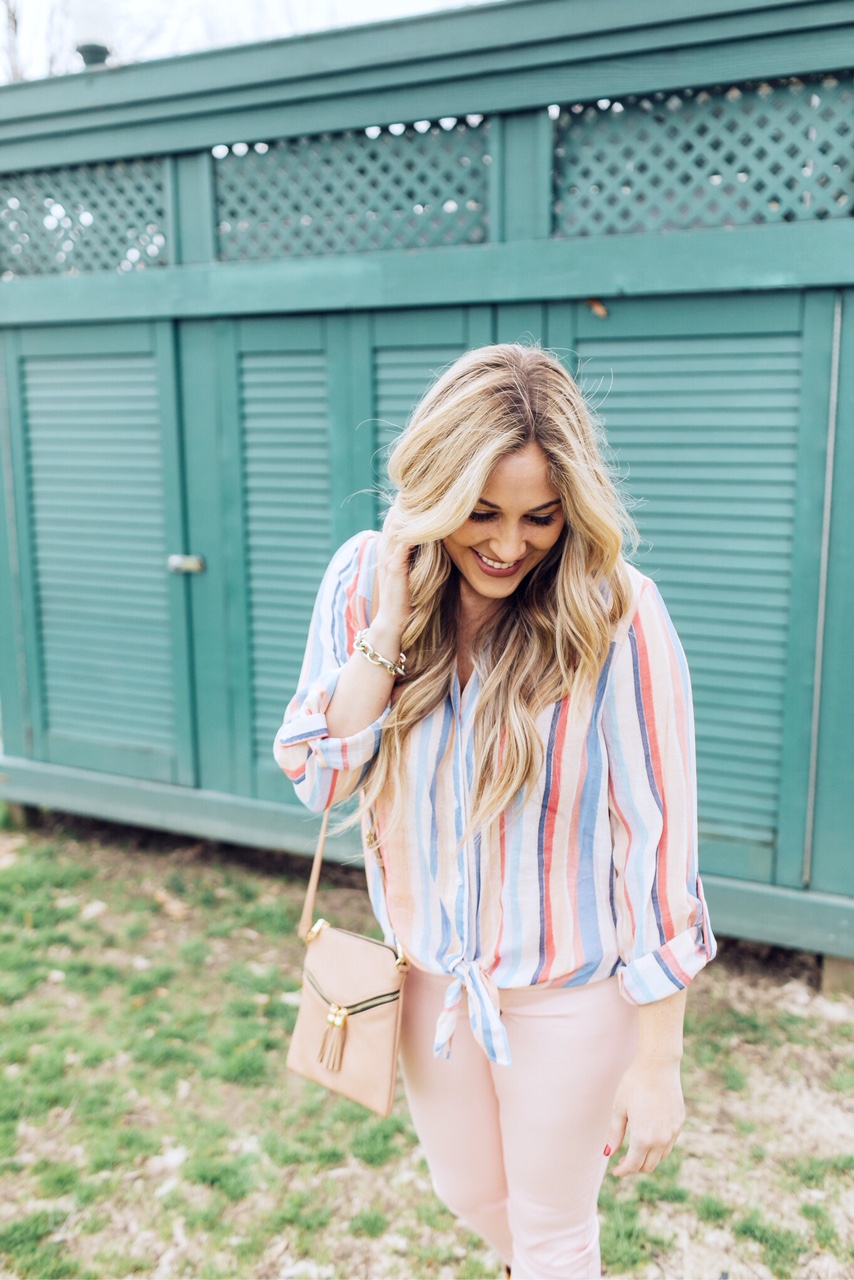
[{"x": 332, "y": 1044}]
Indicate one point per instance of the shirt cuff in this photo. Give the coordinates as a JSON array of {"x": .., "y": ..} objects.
[
  {"x": 308, "y": 726},
  {"x": 668, "y": 969}
]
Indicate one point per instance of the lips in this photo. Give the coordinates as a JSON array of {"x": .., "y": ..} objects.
[{"x": 495, "y": 570}]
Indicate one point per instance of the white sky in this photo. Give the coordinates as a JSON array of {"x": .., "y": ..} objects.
[{"x": 49, "y": 30}]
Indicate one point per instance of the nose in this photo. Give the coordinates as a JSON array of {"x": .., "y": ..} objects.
[{"x": 507, "y": 545}]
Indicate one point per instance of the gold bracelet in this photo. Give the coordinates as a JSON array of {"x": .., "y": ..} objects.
[{"x": 363, "y": 644}]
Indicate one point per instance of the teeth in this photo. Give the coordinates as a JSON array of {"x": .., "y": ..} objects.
[{"x": 495, "y": 564}]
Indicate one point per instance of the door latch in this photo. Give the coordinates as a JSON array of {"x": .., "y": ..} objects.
[{"x": 186, "y": 564}]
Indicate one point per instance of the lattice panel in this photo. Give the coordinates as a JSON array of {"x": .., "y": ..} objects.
[
  {"x": 402, "y": 187},
  {"x": 778, "y": 151},
  {"x": 88, "y": 217}
]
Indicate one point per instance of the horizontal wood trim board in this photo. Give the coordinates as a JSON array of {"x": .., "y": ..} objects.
[
  {"x": 783, "y": 917},
  {"x": 482, "y": 36},
  {"x": 810, "y": 921},
  {"x": 211, "y": 814},
  {"x": 788, "y": 256},
  {"x": 166, "y": 122}
]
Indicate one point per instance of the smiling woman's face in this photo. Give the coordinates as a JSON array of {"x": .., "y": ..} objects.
[{"x": 514, "y": 525}]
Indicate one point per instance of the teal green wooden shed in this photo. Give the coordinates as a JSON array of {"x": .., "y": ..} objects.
[{"x": 227, "y": 278}]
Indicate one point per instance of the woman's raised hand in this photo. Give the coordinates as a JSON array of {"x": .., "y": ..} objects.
[
  {"x": 393, "y": 558},
  {"x": 365, "y": 689}
]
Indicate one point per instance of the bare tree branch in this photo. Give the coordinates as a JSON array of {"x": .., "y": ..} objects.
[{"x": 11, "y": 11}]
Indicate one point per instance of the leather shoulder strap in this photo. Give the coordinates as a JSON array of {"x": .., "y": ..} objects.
[
  {"x": 307, "y": 917},
  {"x": 305, "y": 922}
]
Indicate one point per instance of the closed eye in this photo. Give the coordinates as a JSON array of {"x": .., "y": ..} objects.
[{"x": 481, "y": 517}]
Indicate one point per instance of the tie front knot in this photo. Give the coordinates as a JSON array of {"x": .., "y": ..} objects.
[{"x": 484, "y": 1014}]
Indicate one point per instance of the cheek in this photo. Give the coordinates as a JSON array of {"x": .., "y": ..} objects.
[
  {"x": 462, "y": 540},
  {"x": 454, "y": 548},
  {"x": 552, "y": 536},
  {"x": 548, "y": 545}
]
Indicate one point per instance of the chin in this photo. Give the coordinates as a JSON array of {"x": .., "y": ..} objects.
[{"x": 496, "y": 588}]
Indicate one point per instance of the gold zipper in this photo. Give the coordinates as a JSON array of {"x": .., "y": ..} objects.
[{"x": 362, "y": 1005}]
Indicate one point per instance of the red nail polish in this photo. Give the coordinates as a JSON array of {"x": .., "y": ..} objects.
[{"x": 607, "y": 1150}]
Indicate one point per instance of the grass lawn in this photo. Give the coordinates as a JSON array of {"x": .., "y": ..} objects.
[{"x": 148, "y": 1127}]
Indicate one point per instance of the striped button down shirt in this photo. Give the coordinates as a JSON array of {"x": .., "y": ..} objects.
[{"x": 592, "y": 870}]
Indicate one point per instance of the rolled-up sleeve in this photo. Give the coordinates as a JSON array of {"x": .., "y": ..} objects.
[
  {"x": 663, "y": 931},
  {"x": 323, "y": 769}
]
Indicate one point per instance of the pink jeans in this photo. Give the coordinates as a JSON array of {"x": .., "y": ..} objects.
[{"x": 516, "y": 1152}]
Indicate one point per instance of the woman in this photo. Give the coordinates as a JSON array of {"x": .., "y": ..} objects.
[{"x": 528, "y": 771}]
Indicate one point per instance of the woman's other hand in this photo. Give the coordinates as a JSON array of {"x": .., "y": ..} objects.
[
  {"x": 394, "y": 605},
  {"x": 648, "y": 1101}
]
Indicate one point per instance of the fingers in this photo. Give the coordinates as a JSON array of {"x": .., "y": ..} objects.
[
  {"x": 616, "y": 1131},
  {"x": 642, "y": 1158},
  {"x": 391, "y": 535},
  {"x": 646, "y": 1150},
  {"x": 392, "y": 523},
  {"x": 393, "y": 565},
  {"x": 392, "y": 519},
  {"x": 639, "y": 1160}
]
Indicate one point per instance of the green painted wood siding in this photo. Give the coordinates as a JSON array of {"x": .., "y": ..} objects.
[
  {"x": 402, "y": 374},
  {"x": 703, "y": 404},
  {"x": 832, "y": 869},
  {"x": 97, "y": 484},
  {"x": 708, "y": 430},
  {"x": 97, "y": 512},
  {"x": 705, "y": 430},
  {"x": 289, "y": 528}
]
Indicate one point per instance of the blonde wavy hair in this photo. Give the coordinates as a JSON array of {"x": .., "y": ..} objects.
[{"x": 553, "y": 634}]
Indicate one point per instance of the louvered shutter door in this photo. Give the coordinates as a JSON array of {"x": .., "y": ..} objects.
[
  {"x": 94, "y": 428},
  {"x": 402, "y": 375},
  {"x": 705, "y": 432},
  {"x": 288, "y": 521}
]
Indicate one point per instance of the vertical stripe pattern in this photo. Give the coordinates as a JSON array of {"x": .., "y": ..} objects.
[{"x": 592, "y": 871}]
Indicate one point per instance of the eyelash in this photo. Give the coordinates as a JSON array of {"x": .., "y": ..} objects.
[{"x": 480, "y": 517}]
